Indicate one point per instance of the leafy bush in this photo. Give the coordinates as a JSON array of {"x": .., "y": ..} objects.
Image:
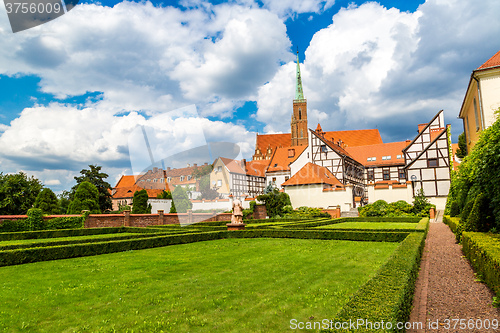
[
  {"x": 303, "y": 212},
  {"x": 14, "y": 225},
  {"x": 140, "y": 203},
  {"x": 421, "y": 205},
  {"x": 454, "y": 209},
  {"x": 382, "y": 208},
  {"x": 275, "y": 202},
  {"x": 35, "y": 219},
  {"x": 180, "y": 202},
  {"x": 86, "y": 198},
  {"x": 47, "y": 202}
]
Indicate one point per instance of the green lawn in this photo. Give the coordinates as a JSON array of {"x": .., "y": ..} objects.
[
  {"x": 369, "y": 225},
  {"x": 231, "y": 285},
  {"x": 63, "y": 239}
]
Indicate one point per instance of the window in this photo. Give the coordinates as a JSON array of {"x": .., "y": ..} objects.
[
  {"x": 182, "y": 178},
  {"x": 386, "y": 174},
  {"x": 169, "y": 179},
  {"x": 300, "y": 114},
  {"x": 274, "y": 179},
  {"x": 468, "y": 128},
  {"x": 432, "y": 163},
  {"x": 301, "y": 133},
  {"x": 286, "y": 178},
  {"x": 401, "y": 173},
  {"x": 476, "y": 115},
  {"x": 323, "y": 149},
  {"x": 189, "y": 177},
  {"x": 371, "y": 159},
  {"x": 291, "y": 153},
  {"x": 370, "y": 174},
  {"x": 219, "y": 183},
  {"x": 219, "y": 168},
  {"x": 386, "y": 158},
  {"x": 399, "y": 157}
]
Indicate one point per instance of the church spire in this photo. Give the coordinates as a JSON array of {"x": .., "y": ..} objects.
[{"x": 299, "y": 93}]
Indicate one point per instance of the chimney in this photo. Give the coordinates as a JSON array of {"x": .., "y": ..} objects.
[
  {"x": 155, "y": 170},
  {"x": 206, "y": 163},
  {"x": 244, "y": 163}
]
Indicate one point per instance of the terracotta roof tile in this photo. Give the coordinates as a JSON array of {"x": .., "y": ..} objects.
[
  {"x": 312, "y": 174},
  {"x": 233, "y": 166},
  {"x": 257, "y": 168},
  {"x": 356, "y": 137},
  {"x": 273, "y": 140},
  {"x": 392, "y": 149},
  {"x": 126, "y": 181},
  {"x": 492, "y": 62},
  {"x": 128, "y": 192},
  {"x": 282, "y": 159}
]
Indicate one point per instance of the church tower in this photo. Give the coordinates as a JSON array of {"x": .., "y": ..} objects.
[{"x": 299, "y": 116}]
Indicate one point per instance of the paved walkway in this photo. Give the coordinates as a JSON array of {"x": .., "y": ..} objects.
[{"x": 446, "y": 287}]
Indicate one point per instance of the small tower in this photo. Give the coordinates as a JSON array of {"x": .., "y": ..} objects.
[{"x": 298, "y": 123}]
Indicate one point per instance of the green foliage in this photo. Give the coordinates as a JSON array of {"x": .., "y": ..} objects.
[
  {"x": 35, "y": 219},
  {"x": 303, "y": 212},
  {"x": 388, "y": 296},
  {"x": 421, "y": 204},
  {"x": 275, "y": 202},
  {"x": 454, "y": 209},
  {"x": 164, "y": 195},
  {"x": 201, "y": 171},
  {"x": 97, "y": 178},
  {"x": 140, "y": 203},
  {"x": 86, "y": 198},
  {"x": 47, "y": 202},
  {"x": 172, "y": 208},
  {"x": 483, "y": 253},
  {"x": 452, "y": 222},
  {"x": 18, "y": 193},
  {"x": 14, "y": 226},
  {"x": 382, "y": 208},
  {"x": 478, "y": 173},
  {"x": 205, "y": 190},
  {"x": 64, "y": 201},
  {"x": 462, "y": 146},
  {"x": 181, "y": 199}
]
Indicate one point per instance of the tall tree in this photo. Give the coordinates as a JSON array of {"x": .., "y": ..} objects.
[
  {"x": 181, "y": 200},
  {"x": 18, "y": 193},
  {"x": 97, "y": 178},
  {"x": 86, "y": 198},
  {"x": 140, "y": 203},
  {"x": 462, "y": 146},
  {"x": 64, "y": 201},
  {"x": 47, "y": 202}
]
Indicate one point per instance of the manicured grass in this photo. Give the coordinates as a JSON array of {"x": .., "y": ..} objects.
[
  {"x": 369, "y": 225},
  {"x": 72, "y": 238},
  {"x": 230, "y": 285}
]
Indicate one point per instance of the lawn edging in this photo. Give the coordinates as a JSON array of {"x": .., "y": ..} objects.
[
  {"x": 388, "y": 295},
  {"x": 483, "y": 252}
]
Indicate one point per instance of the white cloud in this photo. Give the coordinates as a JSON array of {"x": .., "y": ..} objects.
[
  {"x": 377, "y": 67},
  {"x": 291, "y": 8}
]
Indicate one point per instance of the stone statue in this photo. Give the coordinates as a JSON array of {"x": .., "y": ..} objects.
[{"x": 237, "y": 212}]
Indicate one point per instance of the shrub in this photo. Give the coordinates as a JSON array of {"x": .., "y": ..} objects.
[
  {"x": 275, "y": 202},
  {"x": 35, "y": 219},
  {"x": 86, "y": 198},
  {"x": 303, "y": 212},
  {"x": 454, "y": 209},
  {"x": 140, "y": 203},
  {"x": 181, "y": 200},
  {"x": 421, "y": 205},
  {"x": 47, "y": 202}
]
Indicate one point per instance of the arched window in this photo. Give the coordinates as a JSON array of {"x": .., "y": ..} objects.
[
  {"x": 300, "y": 114},
  {"x": 301, "y": 133}
]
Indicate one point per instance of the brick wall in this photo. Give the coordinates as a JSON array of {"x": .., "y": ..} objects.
[
  {"x": 334, "y": 213},
  {"x": 259, "y": 212}
]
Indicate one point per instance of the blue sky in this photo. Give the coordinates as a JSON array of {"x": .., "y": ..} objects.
[{"x": 76, "y": 90}]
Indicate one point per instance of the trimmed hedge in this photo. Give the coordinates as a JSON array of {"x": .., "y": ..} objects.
[
  {"x": 451, "y": 222},
  {"x": 36, "y": 222},
  {"x": 422, "y": 226},
  {"x": 70, "y": 232},
  {"x": 483, "y": 252},
  {"x": 21, "y": 256},
  {"x": 388, "y": 295}
]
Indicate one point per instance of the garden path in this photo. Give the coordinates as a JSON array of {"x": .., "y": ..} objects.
[{"x": 447, "y": 288}]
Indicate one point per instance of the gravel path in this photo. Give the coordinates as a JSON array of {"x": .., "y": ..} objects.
[{"x": 446, "y": 288}]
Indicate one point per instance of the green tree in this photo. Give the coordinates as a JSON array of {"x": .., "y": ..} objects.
[
  {"x": 164, "y": 195},
  {"x": 275, "y": 202},
  {"x": 204, "y": 170},
  {"x": 47, "y": 202},
  {"x": 140, "y": 203},
  {"x": 97, "y": 178},
  {"x": 172, "y": 208},
  {"x": 18, "y": 193},
  {"x": 205, "y": 190},
  {"x": 181, "y": 200},
  {"x": 462, "y": 146},
  {"x": 421, "y": 204},
  {"x": 64, "y": 201},
  {"x": 86, "y": 198}
]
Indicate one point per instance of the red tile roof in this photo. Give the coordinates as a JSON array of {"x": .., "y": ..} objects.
[
  {"x": 356, "y": 137},
  {"x": 492, "y": 62},
  {"x": 313, "y": 174},
  {"x": 392, "y": 149},
  {"x": 233, "y": 166},
  {"x": 126, "y": 181},
  {"x": 273, "y": 141},
  {"x": 128, "y": 192},
  {"x": 257, "y": 168},
  {"x": 281, "y": 160}
]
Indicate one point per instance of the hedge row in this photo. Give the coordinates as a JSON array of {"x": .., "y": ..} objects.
[
  {"x": 388, "y": 295},
  {"x": 71, "y": 232},
  {"x": 452, "y": 222},
  {"x": 21, "y": 256},
  {"x": 66, "y": 222},
  {"x": 483, "y": 252},
  {"x": 422, "y": 226}
]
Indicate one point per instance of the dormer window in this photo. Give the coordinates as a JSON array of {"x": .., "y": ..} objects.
[
  {"x": 189, "y": 177},
  {"x": 291, "y": 153},
  {"x": 182, "y": 178},
  {"x": 169, "y": 179},
  {"x": 386, "y": 158},
  {"x": 399, "y": 157},
  {"x": 371, "y": 159}
]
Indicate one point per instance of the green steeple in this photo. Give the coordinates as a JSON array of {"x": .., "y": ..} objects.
[{"x": 299, "y": 93}]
